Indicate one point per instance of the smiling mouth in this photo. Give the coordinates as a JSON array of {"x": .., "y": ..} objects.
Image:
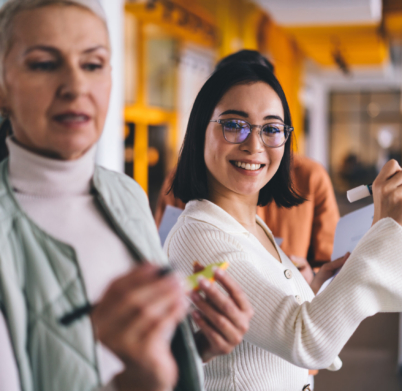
[{"x": 247, "y": 166}]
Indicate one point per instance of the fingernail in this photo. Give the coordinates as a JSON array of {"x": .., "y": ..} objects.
[
  {"x": 203, "y": 282},
  {"x": 218, "y": 271},
  {"x": 195, "y": 296},
  {"x": 196, "y": 315},
  {"x": 182, "y": 282},
  {"x": 186, "y": 303}
]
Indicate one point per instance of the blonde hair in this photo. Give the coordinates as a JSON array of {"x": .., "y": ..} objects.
[{"x": 12, "y": 8}]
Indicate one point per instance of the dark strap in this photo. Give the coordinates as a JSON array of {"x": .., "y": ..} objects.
[
  {"x": 307, "y": 388},
  {"x": 185, "y": 351}
]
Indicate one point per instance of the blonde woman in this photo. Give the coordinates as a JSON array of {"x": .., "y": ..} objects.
[
  {"x": 237, "y": 155},
  {"x": 71, "y": 232}
]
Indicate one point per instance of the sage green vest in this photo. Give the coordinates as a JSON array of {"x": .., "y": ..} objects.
[{"x": 40, "y": 281}]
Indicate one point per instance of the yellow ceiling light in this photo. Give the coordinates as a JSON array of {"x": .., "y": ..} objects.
[
  {"x": 357, "y": 45},
  {"x": 343, "y": 33}
]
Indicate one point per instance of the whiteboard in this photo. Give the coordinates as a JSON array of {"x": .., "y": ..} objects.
[{"x": 350, "y": 229}]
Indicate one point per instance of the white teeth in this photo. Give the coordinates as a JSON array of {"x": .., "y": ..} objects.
[{"x": 248, "y": 166}]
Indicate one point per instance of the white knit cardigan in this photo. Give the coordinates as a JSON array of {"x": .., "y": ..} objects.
[{"x": 292, "y": 331}]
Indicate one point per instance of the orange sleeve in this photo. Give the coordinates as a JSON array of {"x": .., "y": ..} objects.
[
  {"x": 161, "y": 203},
  {"x": 307, "y": 230},
  {"x": 166, "y": 198}
]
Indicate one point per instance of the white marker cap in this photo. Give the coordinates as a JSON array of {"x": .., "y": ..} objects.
[{"x": 358, "y": 193}]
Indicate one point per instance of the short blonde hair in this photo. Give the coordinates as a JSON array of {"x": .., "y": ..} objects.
[{"x": 12, "y": 8}]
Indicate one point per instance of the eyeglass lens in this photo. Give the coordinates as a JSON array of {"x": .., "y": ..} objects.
[{"x": 237, "y": 131}]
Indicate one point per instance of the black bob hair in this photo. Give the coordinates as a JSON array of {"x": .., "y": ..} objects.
[
  {"x": 190, "y": 181},
  {"x": 245, "y": 56}
]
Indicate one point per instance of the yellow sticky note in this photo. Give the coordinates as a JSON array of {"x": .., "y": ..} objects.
[{"x": 207, "y": 273}]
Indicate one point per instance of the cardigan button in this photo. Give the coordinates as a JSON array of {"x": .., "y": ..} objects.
[
  {"x": 299, "y": 299},
  {"x": 288, "y": 274}
]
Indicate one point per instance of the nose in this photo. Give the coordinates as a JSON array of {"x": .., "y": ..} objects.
[
  {"x": 72, "y": 82},
  {"x": 253, "y": 144}
]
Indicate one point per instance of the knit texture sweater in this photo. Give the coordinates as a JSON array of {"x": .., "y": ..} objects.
[{"x": 292, "y": 331}]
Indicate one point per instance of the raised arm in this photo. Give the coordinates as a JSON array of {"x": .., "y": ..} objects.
[{"x": 312, "y": 334}]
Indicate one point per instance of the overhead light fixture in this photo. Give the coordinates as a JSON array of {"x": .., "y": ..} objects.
[{"x": 341, "y": 62}]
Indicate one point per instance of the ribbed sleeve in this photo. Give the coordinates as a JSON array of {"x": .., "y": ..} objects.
[{"x": 286, "y": 336}]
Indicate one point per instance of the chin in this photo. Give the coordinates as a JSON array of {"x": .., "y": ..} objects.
[
  {"x": 73, "y": 148},
  {"x": 251, "y": 187},
  {"x": 247, "y": 191}
]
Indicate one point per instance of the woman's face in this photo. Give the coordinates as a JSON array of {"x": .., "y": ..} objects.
[
  {"x": 257, "y": 104},
  {"x": 57, "y": 80}
]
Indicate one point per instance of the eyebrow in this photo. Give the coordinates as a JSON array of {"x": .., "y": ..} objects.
[
  {"x": 53, "y": 50},
  {"x": 245, "y": 115}
]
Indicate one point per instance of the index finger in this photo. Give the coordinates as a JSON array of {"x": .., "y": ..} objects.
[
  {"x": 233, "y": 288},
  {"x": 388, "y": 171},
  {"x": 337, "y": 263},
  {"x": 394, "y": 181},
  {"x": 136, "y": 278}
]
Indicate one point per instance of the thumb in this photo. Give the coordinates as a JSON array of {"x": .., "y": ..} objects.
[{"x": 338, "y": 263}]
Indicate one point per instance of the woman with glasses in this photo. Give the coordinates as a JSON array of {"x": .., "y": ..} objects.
[{"x": 237, "y": 155}]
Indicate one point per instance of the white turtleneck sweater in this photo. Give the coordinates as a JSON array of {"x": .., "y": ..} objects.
[{"x": 56, "y": 195}]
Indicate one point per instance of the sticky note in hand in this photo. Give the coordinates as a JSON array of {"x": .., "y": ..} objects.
[{"x": 207, "y": 273}]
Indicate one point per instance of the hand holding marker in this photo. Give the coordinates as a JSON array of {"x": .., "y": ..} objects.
[
  {"x": 87, "y": 308},
  {"x": 192, "y": 283},
  {"x": 359, "y": 192}
]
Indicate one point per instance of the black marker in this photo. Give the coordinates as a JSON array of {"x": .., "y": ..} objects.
[{"x": 86, "y": 309}]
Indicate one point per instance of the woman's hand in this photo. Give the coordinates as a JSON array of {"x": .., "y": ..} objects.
[
  {"x": 304, "y": 268},
  {"x": 387, "y": 193},
  {"x": 223, "y": 319},
  {"x": 136, "y": 320},
  {"x": 327, "y": 271}
]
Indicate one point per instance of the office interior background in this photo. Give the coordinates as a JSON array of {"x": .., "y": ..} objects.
[{"x": 340, "y": 64}]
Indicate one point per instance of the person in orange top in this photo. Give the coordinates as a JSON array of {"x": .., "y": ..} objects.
[{"x": 307, "y": 230}]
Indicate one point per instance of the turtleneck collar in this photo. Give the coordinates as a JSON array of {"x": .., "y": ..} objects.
[{"x": 39, "y": 176}]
